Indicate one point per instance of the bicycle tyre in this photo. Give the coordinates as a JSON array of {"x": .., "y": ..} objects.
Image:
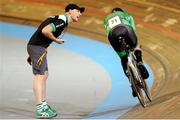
[
  {"x": 137, "y": 89},
  {"x": 146, "y": 90}
]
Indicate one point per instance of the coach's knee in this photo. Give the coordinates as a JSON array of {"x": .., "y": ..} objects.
[{"x": 46, "y": 74}]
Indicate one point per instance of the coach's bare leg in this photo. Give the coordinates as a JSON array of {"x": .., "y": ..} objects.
[
  {"x": 38, "y": 87},
  {"x": 44, "y": 85}
]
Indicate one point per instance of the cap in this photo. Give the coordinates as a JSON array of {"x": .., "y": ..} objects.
[{"x": 74, "y": 6}]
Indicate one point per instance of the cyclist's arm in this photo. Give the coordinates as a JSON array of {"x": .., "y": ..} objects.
[
  {"x": 132, "y": 23},
  {"x": 107, "y": 29},
  {"x": 106, "y": 26},
  {"x": 134, "y": 28}
]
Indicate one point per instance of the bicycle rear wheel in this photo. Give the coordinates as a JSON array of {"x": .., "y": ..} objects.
[
  {"x": 146, "y": 90},
  {"x": 137, "y": 89}
]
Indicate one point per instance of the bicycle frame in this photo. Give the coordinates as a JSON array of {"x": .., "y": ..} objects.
[{"x": 132, "y": 64}]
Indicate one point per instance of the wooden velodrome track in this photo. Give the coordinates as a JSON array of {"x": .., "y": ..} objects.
[{"x": 158, "y": 29}]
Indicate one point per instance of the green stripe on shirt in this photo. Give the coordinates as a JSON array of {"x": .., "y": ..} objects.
[{"x": 53, "y": 28}]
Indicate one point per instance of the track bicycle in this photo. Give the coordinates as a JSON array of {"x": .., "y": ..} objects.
[{"x": 139, "y": 85}]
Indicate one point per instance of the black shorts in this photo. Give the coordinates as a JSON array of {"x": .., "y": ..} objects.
[
  {"x": 126, "y": 31},
  {"x": 38, "y": 56}
]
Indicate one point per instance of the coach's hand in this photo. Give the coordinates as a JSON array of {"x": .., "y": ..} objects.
[{"x": 60, "y": 41}]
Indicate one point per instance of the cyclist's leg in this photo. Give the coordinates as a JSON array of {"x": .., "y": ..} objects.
[
  {"x": 142, "y": 68},
  {"x": 124, "y": 61},
  {"x": 113, "y": 38},
  {"x": 138, "y": 54},
  {"x": 133, "y": 42},
  {"x": 113, "y": 35}
]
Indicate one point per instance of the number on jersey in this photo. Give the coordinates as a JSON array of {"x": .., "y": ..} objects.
[{"x": 114, "y": 21}]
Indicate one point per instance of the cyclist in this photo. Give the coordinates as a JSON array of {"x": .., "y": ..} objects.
[{"x": 120, "y": 24}]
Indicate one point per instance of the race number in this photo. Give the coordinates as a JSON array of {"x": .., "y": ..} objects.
[{"x": 114, "y": 21}]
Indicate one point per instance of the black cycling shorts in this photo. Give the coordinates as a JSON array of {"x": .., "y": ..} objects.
[{"x": 126, "y": 31}]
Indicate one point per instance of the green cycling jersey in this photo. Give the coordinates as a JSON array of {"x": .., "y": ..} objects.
[{"x": 118, "y": 18}]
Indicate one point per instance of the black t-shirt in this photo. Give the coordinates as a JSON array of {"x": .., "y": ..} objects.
[{"x": 58, "y": 23}]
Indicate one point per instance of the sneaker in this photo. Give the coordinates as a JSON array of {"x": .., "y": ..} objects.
[
  {"x": 54, "y": 111},
  {"x": 44, "y": 112},
  {"x": 44, "y": 103},
  {"x": 143, "y": 70}
]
